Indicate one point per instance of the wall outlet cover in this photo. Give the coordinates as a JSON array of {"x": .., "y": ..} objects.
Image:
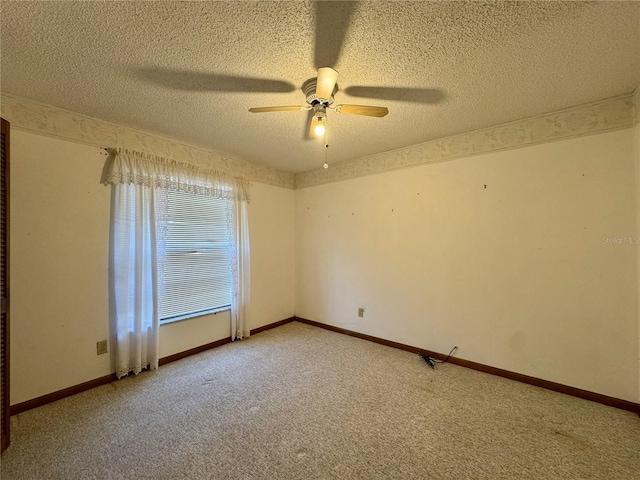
[{"x": 102, "y": 347}]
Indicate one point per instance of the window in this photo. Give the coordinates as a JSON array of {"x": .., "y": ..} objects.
[{"x": 197, "y": 268}]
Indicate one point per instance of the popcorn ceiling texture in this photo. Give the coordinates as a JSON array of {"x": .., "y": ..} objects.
[{"x": 149, "y": 65}]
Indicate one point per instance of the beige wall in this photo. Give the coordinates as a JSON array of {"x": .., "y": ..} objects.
[
  {"x": 271, "y": 229},
  {"x": 59, "y": 261},
  {"x": 59, "y": 255},
  {"x": 516, "y": 274},
  {"x": 180, "y": 336}
]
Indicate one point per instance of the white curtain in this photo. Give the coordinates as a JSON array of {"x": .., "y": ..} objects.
[
  {"x": 138, "y": 237},
  {"x": 137, "y": 218},
  {"x": 241, "y": 272}
]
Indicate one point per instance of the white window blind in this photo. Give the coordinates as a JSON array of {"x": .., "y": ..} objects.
[{"x": 197, "y": 271}]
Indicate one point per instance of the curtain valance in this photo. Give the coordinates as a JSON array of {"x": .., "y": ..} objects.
[{"x": 137, "y": 168}]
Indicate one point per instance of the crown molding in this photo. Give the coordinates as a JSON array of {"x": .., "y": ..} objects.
[
  {"x": 587, "y": 119},
  {"x": 44, "y": 119}
]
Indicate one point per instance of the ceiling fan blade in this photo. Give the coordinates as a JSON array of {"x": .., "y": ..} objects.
[
  {"x": 365, "y": 110},
  {"x": 332, "y": 22},
  {"x": 289, "y": 108},
  {"x": 194, "y": 81},
  {"x": 414, "y": 95},
  {"x": 327, "y": 78}
]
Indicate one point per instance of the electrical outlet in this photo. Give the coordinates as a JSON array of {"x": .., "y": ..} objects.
[
  {"x": 361, "y": 312},
  {"x": 102, "y": 347}
]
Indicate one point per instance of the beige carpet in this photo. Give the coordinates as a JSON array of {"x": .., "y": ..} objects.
[{"x": 299, "y": 402}]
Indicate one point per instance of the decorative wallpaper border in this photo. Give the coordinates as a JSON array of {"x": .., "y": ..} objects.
[
  {"x": 588, "y": 119},
  {"x": 49, "y": 120}
]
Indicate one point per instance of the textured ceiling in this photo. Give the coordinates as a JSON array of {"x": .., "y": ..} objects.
[{"x": 167, "y": 67}]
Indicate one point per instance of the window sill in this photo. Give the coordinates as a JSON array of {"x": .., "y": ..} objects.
[{"x": 213, "y": 311}]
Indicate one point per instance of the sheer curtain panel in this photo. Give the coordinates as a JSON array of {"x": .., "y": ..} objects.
[
  {"x": 137, "y": 222},
  {"x": 241, "y": 272}
]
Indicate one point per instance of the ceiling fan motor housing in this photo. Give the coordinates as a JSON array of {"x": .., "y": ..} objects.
[{"x": 309, "y": 89}]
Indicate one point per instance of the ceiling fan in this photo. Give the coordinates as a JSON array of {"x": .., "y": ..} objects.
[
  {"x": 332, "y": 21},
  {"x": 319, "y": 93}
]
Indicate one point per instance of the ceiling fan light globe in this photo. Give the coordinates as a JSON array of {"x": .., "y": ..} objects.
[
  {"x": 319, "y": 130},
  {"x": 327, "y": 78}
]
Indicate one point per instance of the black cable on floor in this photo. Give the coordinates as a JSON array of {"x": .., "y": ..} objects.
[{"x": 432, "y": 361}]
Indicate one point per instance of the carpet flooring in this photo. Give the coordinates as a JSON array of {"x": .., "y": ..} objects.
[{"x": 300, "y": 402}]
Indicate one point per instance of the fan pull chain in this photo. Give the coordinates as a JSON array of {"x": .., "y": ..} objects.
[{"x": 326, "y": 149}]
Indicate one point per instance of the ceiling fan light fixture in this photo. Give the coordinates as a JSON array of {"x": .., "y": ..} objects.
[
  {"x": 319, "y": 126},
  {"x": 327, "y": 78},
  {"x": 319, "y": 123}
]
